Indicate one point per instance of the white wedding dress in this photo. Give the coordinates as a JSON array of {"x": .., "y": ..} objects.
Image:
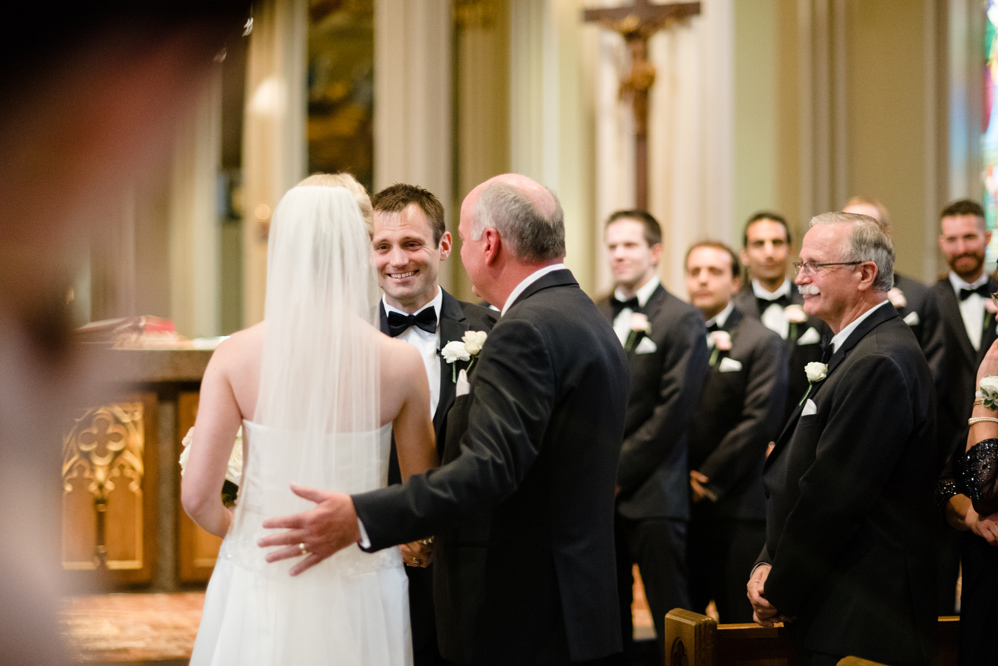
[
  {"x": 352, "y": 608},
  {"x": 316, "y": 424}
]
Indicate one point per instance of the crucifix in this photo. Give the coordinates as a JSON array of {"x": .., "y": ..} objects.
[{"x": 636, "y": 23}]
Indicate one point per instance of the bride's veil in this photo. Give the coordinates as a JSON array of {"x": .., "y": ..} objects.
[{"x": 319, "y": 371}]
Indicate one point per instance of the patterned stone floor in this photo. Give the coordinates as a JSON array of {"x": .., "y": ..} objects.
[{"x": 146, "y": 628}]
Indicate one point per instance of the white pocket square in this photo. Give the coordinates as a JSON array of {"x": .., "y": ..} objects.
[
  {"x": 911, "y": 318},
  {"x": 810, "y": 337},
  {"x": 646, "y": 346},
  {"x": 729, "y": 365},
  {"x": 461, "y": 386},
  {"x": 809, "y": 408}
]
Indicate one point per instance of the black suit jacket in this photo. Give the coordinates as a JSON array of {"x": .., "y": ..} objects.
[
  {"x": 848, "y": 510},
  {"x": 542, "y": 428},
  {"x": 921, "y": 313},
  {"x": 803, "y": 347},
  {"x": 665, "y": 384},
  {"x": 456, "y": 319},
  {"x": 738, "y": 416},
  {"x": 961, "y": 362}
]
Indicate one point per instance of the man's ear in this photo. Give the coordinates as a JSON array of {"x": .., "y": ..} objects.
[
  {"x": 868, "y": 272},
  {"x": 736, "y": 284},
  {"x": 446, "y": 245},
  {"x": 492, "y": 246},
  {"x": 656, "y": 253}
]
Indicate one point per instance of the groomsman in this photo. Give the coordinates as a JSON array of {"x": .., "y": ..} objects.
[
  {"x": 737, "y": 416},
  {"x": 969, "y": 330},
  {"x": 665, "y": 341},
  {"x": 847, "y": 562},
  {"x": 770, "y": 297},
  {"x": 410, "y": 243}
]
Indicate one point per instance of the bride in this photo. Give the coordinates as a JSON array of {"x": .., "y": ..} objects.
[{"x": 318, "y": 391}]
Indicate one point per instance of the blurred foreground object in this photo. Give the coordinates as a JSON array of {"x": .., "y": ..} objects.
[{"x": 91, "y": 95}]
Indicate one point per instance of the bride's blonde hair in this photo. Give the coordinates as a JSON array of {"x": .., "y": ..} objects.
[{"x": 344, "y": 179}]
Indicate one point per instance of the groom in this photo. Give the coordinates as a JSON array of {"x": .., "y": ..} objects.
[
  {"x": 410, "y": 242},
  {"x": 545, "y": 418}
]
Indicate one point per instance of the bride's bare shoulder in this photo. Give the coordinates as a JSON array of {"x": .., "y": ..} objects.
[
  {"x": 398, "y": 357},
  {"x": 239, "y": 348}
]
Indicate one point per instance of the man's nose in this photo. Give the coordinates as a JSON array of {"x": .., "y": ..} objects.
[{"x": 397, "y": 257}]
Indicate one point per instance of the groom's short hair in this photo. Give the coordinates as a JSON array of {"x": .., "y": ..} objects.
[{"x": 395, "y": 198}]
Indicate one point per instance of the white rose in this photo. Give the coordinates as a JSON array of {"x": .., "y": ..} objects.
[
  {"x": 795, "y": 314},
  {"x": 234, "y": 469},
  {"x": 815, "y": 371},
  {"x": 455, "y": 351},
  {"x": 639, "y": 323},
  {"x": 474, "y": 341},
  {"x": 722, "y": 340},
  {"x": 186, "y": 453},
  {"x": 896, "y": 297},
  {"x": 989, "y": 383}
]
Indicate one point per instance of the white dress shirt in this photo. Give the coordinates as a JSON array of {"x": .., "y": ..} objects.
[
  {"x": 844, "y": 334},
  {"x": 428, "y": 345},
  {"x": 622, "y": 322},
  {"x": 526, "y": 282},
  {"x": 972, "y": 308},
  {"x": 773, "y": 317}
]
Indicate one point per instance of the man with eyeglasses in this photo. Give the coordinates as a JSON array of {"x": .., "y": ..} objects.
[
  {"x": 968, "y": 317},
  {"x": 847, "y": 563},
  {"x": 770, "y": 297}
]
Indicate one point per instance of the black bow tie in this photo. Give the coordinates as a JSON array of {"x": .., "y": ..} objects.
[
  {"x": 982, "y": 290},
  {"x": 619, "y": 305},
  {"x": 399, "y": 323},
  {"x": 826, "y": 349},
  {"x": 714, "y": 328},
  {"x": 783, "y": 301}
]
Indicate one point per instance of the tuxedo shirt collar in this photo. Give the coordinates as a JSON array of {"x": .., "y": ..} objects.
[
  {"x": 958, "y": 283},
  {"x": 643, "y": 293},
  {"x": 436, "y": 304},
  {"x": 760, "y": 291},
  {"x": 721, "y": 318},
  {"x": 839, "y": 338},
  {"x": 526, "y": 282}
]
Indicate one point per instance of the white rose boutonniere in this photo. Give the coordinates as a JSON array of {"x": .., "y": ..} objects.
[
  {"x": 466, "y": 349},
  {"x": 989, "y": 391},
  {"x": 816, "y": 372},
  {"x": 795, "y": 314},
  {"x": 639, "y": 326},
  {"x": 896, "y": 297},
  {"x": 233, "y": 469},
  {"x": 722, "y": 343}
]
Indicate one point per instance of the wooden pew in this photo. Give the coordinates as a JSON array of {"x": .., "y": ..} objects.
[{"x": 692, "y": 639}]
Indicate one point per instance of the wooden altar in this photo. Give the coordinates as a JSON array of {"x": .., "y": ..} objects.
[{"x": 123, "y": 525}]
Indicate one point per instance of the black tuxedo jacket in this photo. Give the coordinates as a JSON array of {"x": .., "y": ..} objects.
[
  {"x": 666, "y": 377},
  {"x": 961, "y": 362},
  {"x": 540, "y": 438},
  {"x": 456, "y": 319},
  {"x": 738, "y": 415},
  {"x": 849, "y": 502},
  {"x": 803, "y": 347},
  {"x": 921, "y": 313}
]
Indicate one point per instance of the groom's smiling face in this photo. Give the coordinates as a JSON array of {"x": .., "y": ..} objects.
[{"x": 407, "y": 258}]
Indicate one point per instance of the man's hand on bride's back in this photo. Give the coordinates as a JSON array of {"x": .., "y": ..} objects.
[{"x": 315, "y": 534}]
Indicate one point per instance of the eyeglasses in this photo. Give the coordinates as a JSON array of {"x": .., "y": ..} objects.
[{"x": 810, "y": 268}]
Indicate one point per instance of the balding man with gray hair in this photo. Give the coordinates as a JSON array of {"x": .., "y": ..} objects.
[
  {"x": 522, "y": 508},
  {"x": 848, "y": 563}
]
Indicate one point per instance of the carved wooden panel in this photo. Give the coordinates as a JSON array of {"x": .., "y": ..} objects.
[
  {"x": 109, "y": 491},
  {"x": 198, "y": 548}
]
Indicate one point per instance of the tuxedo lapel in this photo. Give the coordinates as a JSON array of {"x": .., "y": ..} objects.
[
  {"x": 383, "y": 317},
  {"x": 883, "y": 313},
  {"x": 949, "y": 307},
  {"x": 453, "y": 326}
]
